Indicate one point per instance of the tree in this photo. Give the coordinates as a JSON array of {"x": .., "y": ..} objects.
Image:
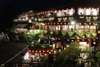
[
  {"x": 98, "y": 57},
  {"x": 68, "y": 56}
]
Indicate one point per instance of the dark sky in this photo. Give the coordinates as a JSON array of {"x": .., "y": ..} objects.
[{"x": 10, "y": 8}]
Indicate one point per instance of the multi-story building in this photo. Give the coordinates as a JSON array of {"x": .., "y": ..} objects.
[
  {"x": 81, "y": 20},
  {"x": 59, "y": 28}
]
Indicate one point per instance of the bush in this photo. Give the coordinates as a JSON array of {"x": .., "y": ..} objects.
[{"x": 69, "y": 55}]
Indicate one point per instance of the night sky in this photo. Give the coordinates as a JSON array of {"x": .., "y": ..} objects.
[{"x": 9, "y": 9}]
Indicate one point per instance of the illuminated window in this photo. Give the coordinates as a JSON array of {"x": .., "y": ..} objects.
[
  {"x": 65, "y": 19},
  {"x": 88, "y": 11},
  {"x": 71, "y": 11},
  {"x": 59, "y": 13},
  {"x": 77, "y": 26},
  {"x": 58, "y": 27},
  {"x": 71, "y": 27},
  {"x": 81, "y": 29},
  {"x": 86, "y": 27},
  {"x": 94, "y": 11},
  {"x": 73, "y": 22},
  {"x": 66, "y": 11},
  {"x": 59, "y": 19},
  {"x": 51, "y": 18},
  {"x": 65, "y": 27},
  {"x": 92, "y": 28},
  {"x": 80, "y": 11}
]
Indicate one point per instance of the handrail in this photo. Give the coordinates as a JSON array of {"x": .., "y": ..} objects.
[{"x": 3, "y": 65}]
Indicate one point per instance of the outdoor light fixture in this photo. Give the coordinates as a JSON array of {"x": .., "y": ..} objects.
[
  {"x": 53, "y": 46},
  {"x": 51, "y": 18},
  {"x": 84, "y": 55},
  {"x": 30, "y": 30},
  {"x": 30, "y": 21},
  {"x": 42, "y": 23},
  {"x": 73, "y": 22},
  {"x": 95, "y": 18},
  {"x": 48, "y": 14}
]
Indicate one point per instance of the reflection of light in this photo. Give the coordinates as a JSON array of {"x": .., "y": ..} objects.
[{"x": 26, "y": 56}]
